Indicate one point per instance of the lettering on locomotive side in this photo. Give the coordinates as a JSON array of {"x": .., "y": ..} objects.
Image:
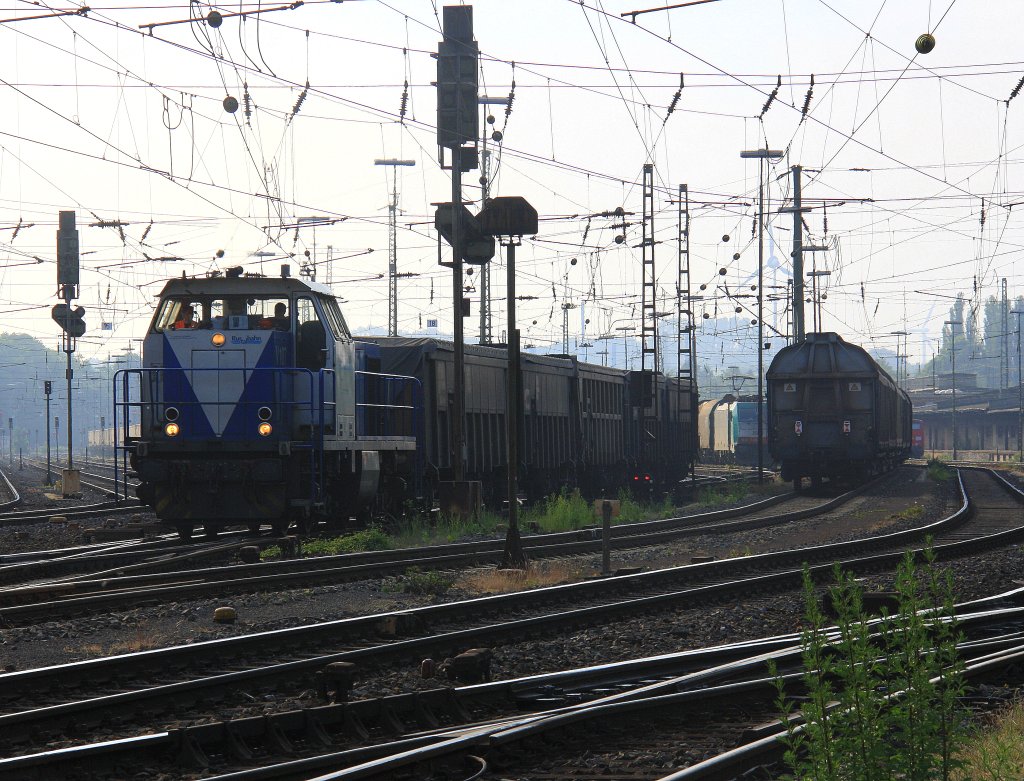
[{"x": 246, "y": 340}]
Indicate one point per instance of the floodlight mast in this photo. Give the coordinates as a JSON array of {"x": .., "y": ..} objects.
[
  {"x": 393, "y": 244},
  {"x": 952, "y": 335},
  {"x": 760, "y": 155}
]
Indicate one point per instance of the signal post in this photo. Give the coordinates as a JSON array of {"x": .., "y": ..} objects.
[{"x": 72, "y": 321}]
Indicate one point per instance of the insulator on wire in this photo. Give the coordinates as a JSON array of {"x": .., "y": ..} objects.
[
  {"x": 675, "y": 98},
  {"x": 246, "y": 101},
  {"x": 807, "y": 100},
  {"x": 983, "y": 214},
  {"x": 405, "y": 102},
  {"x": 771, "y": 98},
  {"x": 511, "y": 97},
  {"x": 300, "y": 100},
  {"x": 145, "y": 233},
  {"x": 1016, "y": 90},
  {"x": 824, "y": 212}
]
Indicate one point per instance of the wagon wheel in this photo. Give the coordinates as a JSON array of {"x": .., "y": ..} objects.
[{"x": 184, "y": 531}]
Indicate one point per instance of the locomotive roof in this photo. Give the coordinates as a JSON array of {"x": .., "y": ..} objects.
[{"x": 228, "y": 286}]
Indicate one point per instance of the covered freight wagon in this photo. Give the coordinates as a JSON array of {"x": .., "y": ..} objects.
[{"x": 834, "y": 412}]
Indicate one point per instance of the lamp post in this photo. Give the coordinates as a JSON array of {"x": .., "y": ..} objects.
[
  {"x": 1020, "y": 394},
  {"x": 625, "y": 348},
  {"x": 898, "y": 334},
  {"x": 952, "y": 333},
  {"x": 760, "y": 155}
]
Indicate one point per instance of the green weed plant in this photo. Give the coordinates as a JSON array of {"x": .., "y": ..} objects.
[{"x": 881, "y": 695}]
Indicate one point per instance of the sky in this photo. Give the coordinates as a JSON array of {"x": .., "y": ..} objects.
[{"x": 910, "y": 160}]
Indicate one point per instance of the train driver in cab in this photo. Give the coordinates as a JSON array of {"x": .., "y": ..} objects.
[
  {"x": 279, "y": 322},
  {"x": 186, "y": 318}
]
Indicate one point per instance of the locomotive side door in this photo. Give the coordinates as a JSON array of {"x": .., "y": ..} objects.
[
  {"x": 344, "y": 370},
  {"x": 314, "y": 351}
]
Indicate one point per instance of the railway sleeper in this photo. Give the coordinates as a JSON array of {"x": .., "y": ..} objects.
[{"x": 325, "y": 726}]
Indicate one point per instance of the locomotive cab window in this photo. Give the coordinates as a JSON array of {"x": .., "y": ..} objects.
[
  {"x": 310, "y": 336},
  {"x": 176, "y": 314},
  {"x": 238, "y": 313}
]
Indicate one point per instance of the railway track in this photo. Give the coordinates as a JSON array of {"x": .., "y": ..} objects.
[
  {"x": 122, "y": 584},
  {"x": 98, "y": 481},
  {"x": 9, "y": 516},
  {"x": 518, "y": 724},
  {"x": 12, "y": 498},
  {"x": 61, "y": 699}
]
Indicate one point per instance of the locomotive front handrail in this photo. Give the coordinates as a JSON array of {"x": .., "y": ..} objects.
[{"x": 315, "y": 405}]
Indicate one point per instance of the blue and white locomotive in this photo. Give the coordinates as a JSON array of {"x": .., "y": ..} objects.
[{"x": 248, "y": 409}]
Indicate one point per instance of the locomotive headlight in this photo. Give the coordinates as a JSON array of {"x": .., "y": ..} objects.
[
  {"x": 171, "y": 414},
  {"x": 264, "y": 413},
  {"x": 217, "y": 340},
  {"x": 172, "y": 429},
  {"x": 264, "y": 428}
]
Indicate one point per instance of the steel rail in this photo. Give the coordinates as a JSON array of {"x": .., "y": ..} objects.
[
  {"x": 23, "y": 517},
  {"x": 476, "y": 547},
  {"x": 15, "y": 499},
  {"x": 110, "y": 588}
]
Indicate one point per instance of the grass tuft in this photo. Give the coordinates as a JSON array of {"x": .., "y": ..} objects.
[
  {"x": 502, "y": 581},
  {"x": 717, "y": 496},
  {"x": 996, "y": 751},
  {"x": 415, "y": 581},
  {"x": 938, "y": 471}
]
